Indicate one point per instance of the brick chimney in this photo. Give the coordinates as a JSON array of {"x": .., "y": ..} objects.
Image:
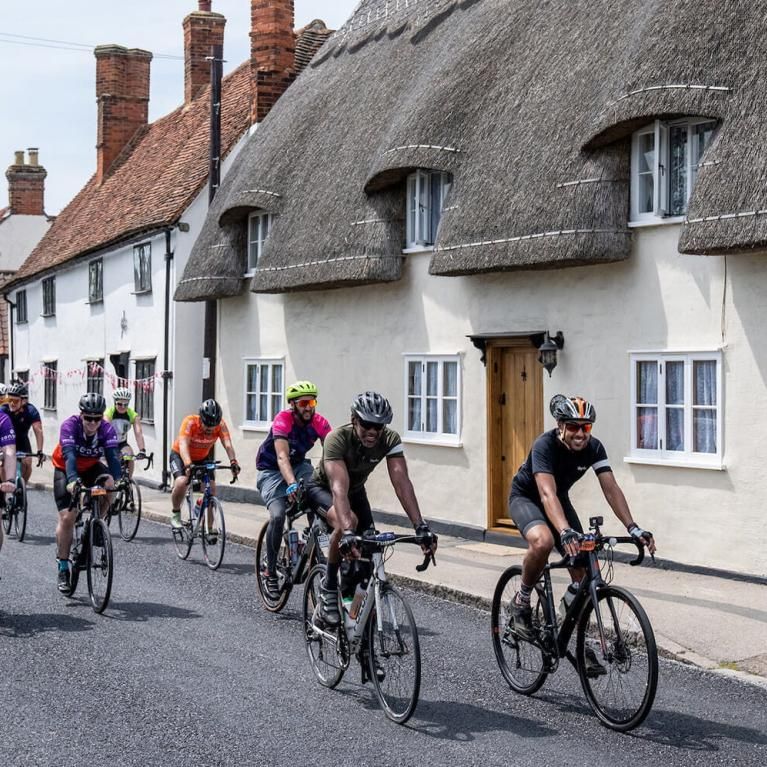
[
  {"x": 272, "y": 54},
  {"x": 26, "y": 185},
  {"x": 122, "y": 95},
  {"x": 202, "y": 29}
]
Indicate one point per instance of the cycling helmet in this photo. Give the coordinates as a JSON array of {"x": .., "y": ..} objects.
[
  {"x": 210, "y": 413},
  {"x": 18, "y": 389},
  {"x": 3, "y": 389},
  {"x": 123, "y": 394},
  {"x": 92, "y": 403},
  {"x": 372, "y": 406},
  {"x": 572, "y": 409},
  {"x": 300, "y": 389}
]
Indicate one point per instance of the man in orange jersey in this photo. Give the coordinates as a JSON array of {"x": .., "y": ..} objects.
[{"x": 197, "y": 435}]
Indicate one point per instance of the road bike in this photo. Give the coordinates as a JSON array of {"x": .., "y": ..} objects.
[
  {"x": 203, "y": 518},
  {"x": 298, "y": 553},
  {"x": 615, "y": 652},
  {"x": 15, "y": 512},
  {"x": 377, "y": 628},
  {"x": 91, "y": 547},
  {"x": 127, "y": 503}
]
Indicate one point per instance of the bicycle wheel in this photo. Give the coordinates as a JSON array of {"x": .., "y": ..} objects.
[
  {"x": 322, "y": 645},
  {"x": 283, "y": 569},
  {"x": 394, "y": 655},
  {"x": 620, "y": 684},
  {"x": 100, "y": 564},
  {"x": 77, "y": 556},
  {"x": 20, "y": 508},
  {"x": 213, "y": 534},
  {"x": 522, "y": 663},
  {"x": 8, "y": 514},
  {"x": 130, "y": 511},
  {"x": 183, "y": 537}
]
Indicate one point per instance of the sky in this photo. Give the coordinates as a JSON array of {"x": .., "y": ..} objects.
[{"x": 49, "y": 84}]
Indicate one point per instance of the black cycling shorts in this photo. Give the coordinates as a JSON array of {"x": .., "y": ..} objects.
[
  {"x": 526, "y": 513},
  {"x": 89, "y": 477},
  {"x": 321, "y": 499},
  {"x": 176, "y": 464}
]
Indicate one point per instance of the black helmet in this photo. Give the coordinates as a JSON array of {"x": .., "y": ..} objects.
[
  {"x": 18, "y": 389},
  {"x": 210, "y": 413},
  {"x": 373, "y": 407},
  {"x": 92, "y": 403},
  {"x": 572, "y": 409}
]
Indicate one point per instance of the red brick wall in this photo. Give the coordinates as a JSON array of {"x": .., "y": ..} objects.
[
  {"x": 201, "y": 31},
  {"x": 26, "y": 189}
]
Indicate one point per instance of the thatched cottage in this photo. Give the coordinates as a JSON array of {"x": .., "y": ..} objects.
[{"x": 449, "y": 184}]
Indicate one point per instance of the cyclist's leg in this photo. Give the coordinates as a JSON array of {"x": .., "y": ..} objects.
[
  {"x": 99, "y": 475},
  {"x": 271, "y": 485},
  {"x": 65, "y": 526},
  {"x": 23, "y": 446},
  {"x": 178, "y": 489},
  {"x": 530, "y": 519},
  {"x": 576, "y": 573},
  {"x": 26, "y": 468},
  {"x": 126, "y": 449}
]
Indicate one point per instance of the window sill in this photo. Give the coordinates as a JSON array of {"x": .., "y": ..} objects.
[
  {"x": 49, "y": 409},
  {"x": 255, "y": 426},
  {"x": 248, "y": 275},
  {"x": 439, "y": 441},
  {"x": 95, "y": 301},
  {"x": 141, "y": 292},
  {"x": 681, "y": 464},
  {"x": 52, "y": 314},
  {"x": 22, "y": 322},
  {"x": 418, "y": 249},
  {"x": 643, "y": 223}
]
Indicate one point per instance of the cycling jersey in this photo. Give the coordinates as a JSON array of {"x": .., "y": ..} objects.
[
  {"x": 122, "y": 422},
  {"x": 7, "y": 433},
  {"x": 22, "y": 421},
  {"x": 549, "y": 455},
  {"x": 343, "y": 444},
  {"x": 75, "y": 452},
  {"x": 301, "y": 437},
  {"x": 200, "y": 442}
]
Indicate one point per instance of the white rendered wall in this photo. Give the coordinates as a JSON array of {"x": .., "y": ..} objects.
[{"x": 18, "y": 237}]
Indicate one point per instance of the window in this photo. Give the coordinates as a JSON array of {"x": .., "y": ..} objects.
[
  {"x": 94, "y": 376},
  {"x": 676, "y": 408},
  {"x": 259, "y": 225},
  {"x": 263, "y": 391},
  {"x": 433, "y": 400},
  {"x": 665, "y": 158},
  {"x": 49, "y": 297},
  {"x": 22, "y": 375},
  {"x": 142, "y": 267},
  {"x": 95, "y": 281},
  {"x": 21, "y": 306},
  {"x": 144, "y": 389},
  {"x": 426, "y": 195},
  {"x": 51, "y": 377}
]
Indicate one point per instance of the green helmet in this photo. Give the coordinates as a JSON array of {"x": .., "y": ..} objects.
[{"x": 300, "y": 389}]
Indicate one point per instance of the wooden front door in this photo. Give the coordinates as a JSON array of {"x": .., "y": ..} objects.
[{"x": 515, "y": 418}]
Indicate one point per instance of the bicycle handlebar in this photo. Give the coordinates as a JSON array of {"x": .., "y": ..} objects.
[
  {"x": 208, "y": 467},
  {"x": 380, "y": 541},
  {"x": 600, "y": 541},
  {"x": 40, "y": 455}
]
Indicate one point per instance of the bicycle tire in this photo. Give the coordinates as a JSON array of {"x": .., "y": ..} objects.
[
  {"x": 283, "y": 567},
  {"x": 327, "y": 666},
  {"x": 75, "y": 561},
  {"x": 394, "y": 655},
  {"x": 100, "y": 565},
  {"x": 20, "y": 509},
  {"x": 213, "y": 533},
  {"x": 129, "y": 515},
  {"x": 183, "y": 537},
  {"x": 522, "y": 663},
  {"x": 8, "y": 518},
  {"x": 620, "y": 703}
]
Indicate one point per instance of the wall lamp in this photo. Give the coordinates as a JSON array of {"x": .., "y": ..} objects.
[{"x": 547, "y": 351}]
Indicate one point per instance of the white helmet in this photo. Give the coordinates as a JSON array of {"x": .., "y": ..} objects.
[
  {"x": 123, "y": 394},
  {"x": 3, "y": 389}
]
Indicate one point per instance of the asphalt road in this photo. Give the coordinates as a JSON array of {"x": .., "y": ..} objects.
[{"x": 186, "y": 668}]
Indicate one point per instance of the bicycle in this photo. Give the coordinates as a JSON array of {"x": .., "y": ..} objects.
[
  {"x": 91, "y": 547},
  {"x": 378, "y": 628},
  {"x": 296, "y": 561},
  {"x": 615, "y": 652},
  {"x": 203, "y": 518},
  {"x": 15, "y": 513},
  {"x": 127, "y": 503}
]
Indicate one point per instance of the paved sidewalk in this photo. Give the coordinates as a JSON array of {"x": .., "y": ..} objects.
[{"x": 713, "y": 622}]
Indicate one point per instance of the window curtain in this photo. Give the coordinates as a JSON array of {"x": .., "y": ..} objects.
[
  {"x": 704, "y": 412},
  {"x": 647, "y": 417}
]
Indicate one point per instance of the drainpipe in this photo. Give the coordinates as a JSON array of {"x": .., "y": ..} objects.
[
  {"x": 10, "y": 335},
  {"x": 167, "y": 375}
]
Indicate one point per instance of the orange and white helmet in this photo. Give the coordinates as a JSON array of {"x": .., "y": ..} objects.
[{"x": 572, "y": 409}]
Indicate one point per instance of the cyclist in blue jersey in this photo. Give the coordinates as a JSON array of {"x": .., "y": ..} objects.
[
  {"x": 8, "y": 446},
  {"x": 24, "y": 416},
  {"x": 539, "y": 503},
  {"x": 281, "y": 462}
]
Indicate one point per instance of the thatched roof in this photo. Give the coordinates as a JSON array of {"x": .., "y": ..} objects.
[{"x": 530, "y": 105}]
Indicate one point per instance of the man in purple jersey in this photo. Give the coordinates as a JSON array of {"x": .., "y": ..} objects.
[
  {"x": 24, "y": 416},
  {"x": 8, "y": 446},
  {"x": 282, "y": 463}
]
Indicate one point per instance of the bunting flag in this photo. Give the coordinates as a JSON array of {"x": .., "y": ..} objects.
[{"x": 77, "y": 376}]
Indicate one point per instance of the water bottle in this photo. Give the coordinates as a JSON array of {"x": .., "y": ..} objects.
[
  {"x": 293, "y": 546},
  {"x": 346, "y": 602},
  {"x": 359, "y": 595},
  {"x": 567, "y": 599}
]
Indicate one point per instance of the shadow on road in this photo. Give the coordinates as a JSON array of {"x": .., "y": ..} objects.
[
  {"x": 32, "y": 624},
  {"x": 140, "y": 612},
  {"x": 35, "y": 540}
]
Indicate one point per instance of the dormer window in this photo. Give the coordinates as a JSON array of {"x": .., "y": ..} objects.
[
  {"x": 259, "y": 225},
  {"x": 426, "y": 194},
  {"x": 664, "y": 165}
]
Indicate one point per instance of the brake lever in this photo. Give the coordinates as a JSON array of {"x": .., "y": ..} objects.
[{"x": 428, "y": 559}]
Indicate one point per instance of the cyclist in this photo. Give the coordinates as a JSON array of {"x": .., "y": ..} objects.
[
  {"x": 196, "y": 437},
  {"x": 8, "y": 447},
  {"x": 349, "y": 455},
  {"x": 24, "y": 417},
  {"x": 281, "y": 462},
  {"x": 540, "y": 506},
  {"x": 84, "y": 440},
  {"x": 122, "y": 417}
]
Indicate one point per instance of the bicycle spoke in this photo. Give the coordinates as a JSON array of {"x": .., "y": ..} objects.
[
  {"x": 100, "y": 565},
  {"x": 213, "y": 534},
  {"x": 130, "y": 510},
  {"x": 322, "y": 645},
  {"x": 282, "y": 570}
]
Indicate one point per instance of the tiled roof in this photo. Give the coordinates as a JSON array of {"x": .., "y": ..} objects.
[{"x": 309, "y": 40}]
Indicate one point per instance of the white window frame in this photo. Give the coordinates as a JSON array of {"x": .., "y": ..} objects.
[
  {"x": 142, "y": 268},
  {"x": 421, "y": 232},
  {"x": 688, "y": 457},
  {"x": 256, "y": 246},
  {"x": 660, "y": 130},
  {"x": 263, "y": 424},
  {"x": 439, "y": 437},
  {"x": 48, "y": 286}
]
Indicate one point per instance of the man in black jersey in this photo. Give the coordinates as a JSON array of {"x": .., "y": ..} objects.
[{"x": 539, "y": 503}]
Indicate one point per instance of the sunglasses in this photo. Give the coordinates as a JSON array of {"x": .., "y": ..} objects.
[
  {"x": 121, "y": 403},
  {"x": 574, "y": 428},
  {"x": 369, "y": 425},
  {"x": 306, "y": 402},
  {"x": 92, "y": 418}
]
